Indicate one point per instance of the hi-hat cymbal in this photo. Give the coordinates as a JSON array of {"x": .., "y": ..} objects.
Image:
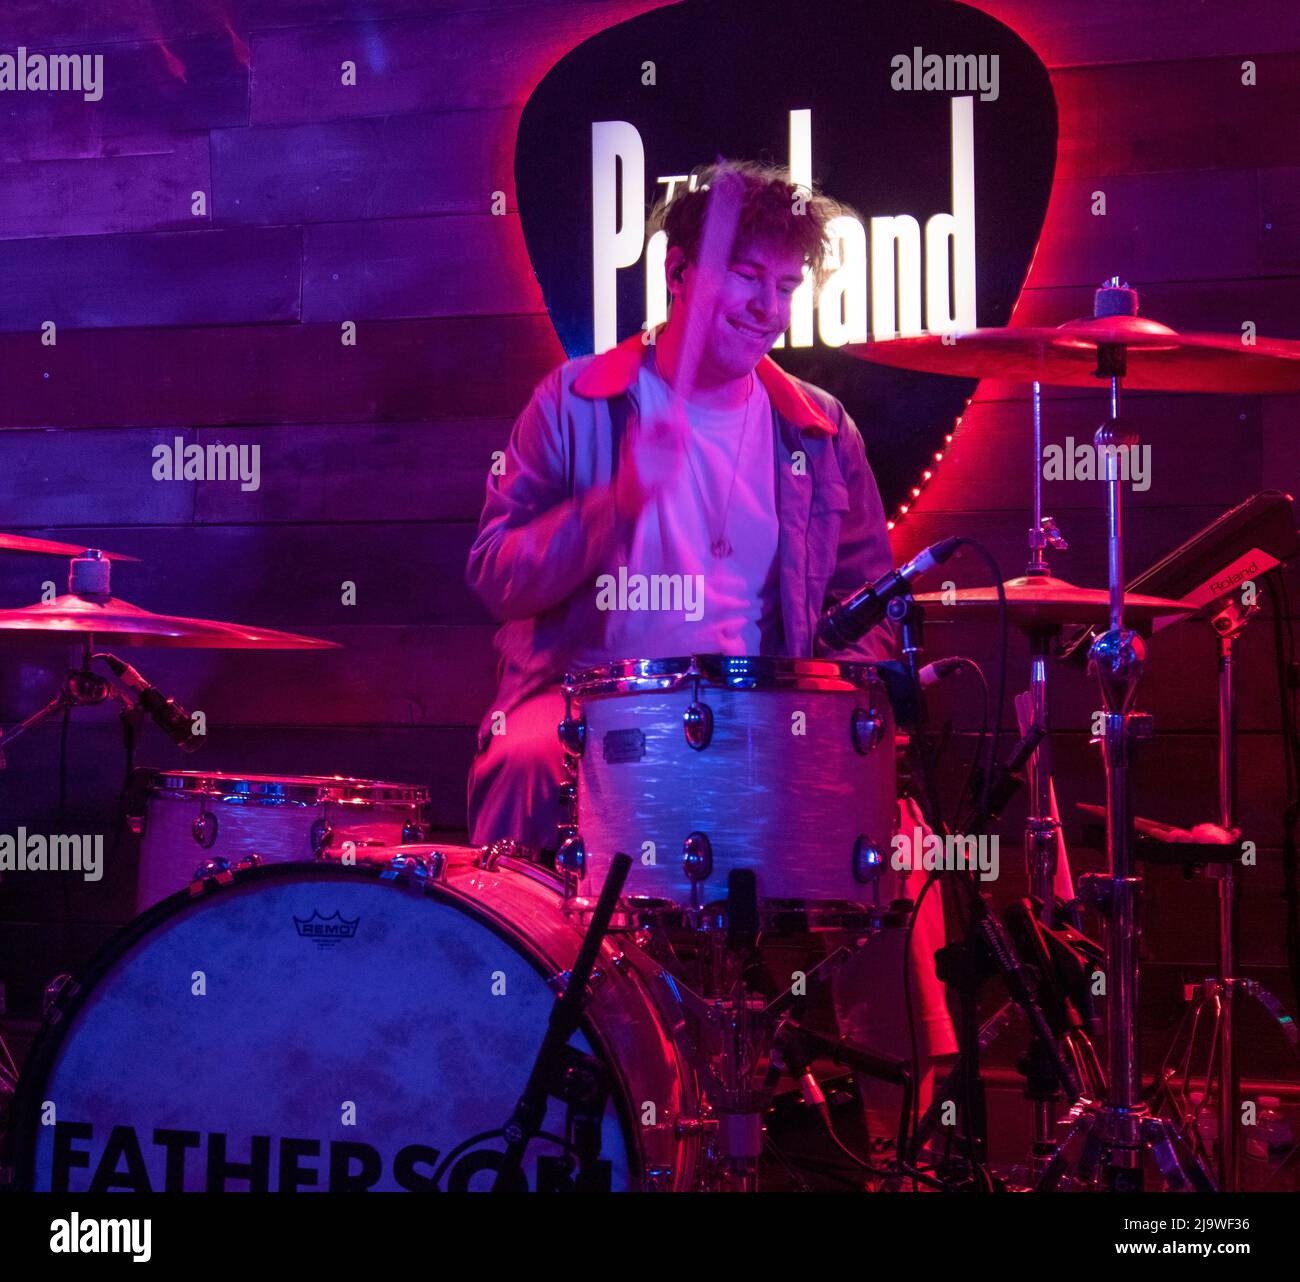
[
  {"x": 21, "y": 543},
  {"x": 119, "y": 623},
  {"x": 1039, "y": 601},
  {"x": 1158, "y": 358}
]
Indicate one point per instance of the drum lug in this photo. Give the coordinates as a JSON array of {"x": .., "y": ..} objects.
[
  {"x": 407, "y": 868},
  {"x": 571, "y": 859},
  {"x": 208, "y": 869},
  {"x": 412, "y": 833},
  {"x": 868, "y": 862},
  {"x": 697, "y": 857},
  {"x": 573, "y": 733},
  {"x": 503, "y": 848},
  {"x": 867, "y": 729},
  {"x": 697, "y": 723},
  {"x": 322, "y": 837},
  {"x": 204, "y": 829}
]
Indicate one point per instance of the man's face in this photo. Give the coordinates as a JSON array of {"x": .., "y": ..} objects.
[{"x": 753, "y": 305}]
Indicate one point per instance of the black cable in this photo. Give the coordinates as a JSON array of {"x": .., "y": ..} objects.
[
  {"x": 910, "y": 1134},
  {"x": 982, "y": 551},
  {"x": 991, "y": 562},
  {"x": 979, "y": 743}
]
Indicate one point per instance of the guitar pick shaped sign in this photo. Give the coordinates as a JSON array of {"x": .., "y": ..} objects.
[{"x": 933, "y": 121}]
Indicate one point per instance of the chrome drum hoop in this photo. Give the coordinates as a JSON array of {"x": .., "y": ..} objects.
[{"x": 720, "y": 671}]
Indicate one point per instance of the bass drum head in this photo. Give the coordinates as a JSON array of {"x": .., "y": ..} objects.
[{"x": 308, "y": 1027}]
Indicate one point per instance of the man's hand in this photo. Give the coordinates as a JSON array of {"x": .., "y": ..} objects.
[{"x": 651, "y": 458}]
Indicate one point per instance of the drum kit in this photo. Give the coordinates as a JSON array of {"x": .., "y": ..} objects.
[{"x": 314, "y": 995}]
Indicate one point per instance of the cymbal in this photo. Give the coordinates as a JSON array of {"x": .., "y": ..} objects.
[
  {"x": 21, "y": 543},
  {"x": 1042, "y": 601},
  {"x": 119, "y": 623},
  {"x": 1159, "y": 358}
]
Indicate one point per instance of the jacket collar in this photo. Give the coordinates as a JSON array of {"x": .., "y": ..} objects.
[{"x": 613, "y": 372}]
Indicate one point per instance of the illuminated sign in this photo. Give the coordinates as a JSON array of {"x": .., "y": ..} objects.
[
  {"x": 618, "y": 236},
  {"x": 932, "y": 121}
]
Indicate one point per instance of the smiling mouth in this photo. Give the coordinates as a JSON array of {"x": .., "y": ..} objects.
[{"x": 749, "y": 330}]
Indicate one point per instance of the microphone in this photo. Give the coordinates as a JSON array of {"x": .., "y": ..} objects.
[
  {"x": 166, "y": 714},
  {"x": 939, "y": 670},
  {"x": 855, "y": 616}
]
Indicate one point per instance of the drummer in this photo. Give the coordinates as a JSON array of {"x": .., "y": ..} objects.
[{"x": 751, "y": 501}]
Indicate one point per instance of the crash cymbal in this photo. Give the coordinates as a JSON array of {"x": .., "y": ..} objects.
[
  {"x": 21, "y": 543},
  {"x": 1040, "y": 601},
  {"x": 119, "y": 623},
  {"x": 1159, "y": 358}
]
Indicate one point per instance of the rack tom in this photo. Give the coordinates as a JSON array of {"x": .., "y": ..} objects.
[
  {"x": 187, "y": 820},
  {"x": 697, "y": 766}
]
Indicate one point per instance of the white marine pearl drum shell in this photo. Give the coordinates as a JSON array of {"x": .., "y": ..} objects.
[
  {"x": 781, "y": 787},
  {"x": 278, "y": 818}
]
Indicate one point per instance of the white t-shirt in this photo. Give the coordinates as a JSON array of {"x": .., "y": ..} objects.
[{"x": 707, "y": 604}]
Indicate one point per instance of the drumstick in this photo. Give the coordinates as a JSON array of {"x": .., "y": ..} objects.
[{"x": 720, "y": 221}]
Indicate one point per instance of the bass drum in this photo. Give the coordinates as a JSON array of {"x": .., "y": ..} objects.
[{"x": 315, "y": 1026}]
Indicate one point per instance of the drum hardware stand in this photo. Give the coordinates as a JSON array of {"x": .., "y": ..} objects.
[
  {"x": 724, "y": 1038},
  {"x": 1220, "y": 994},
  {"x": 1116, "y": 1131},
  {"x": 1042, "y": 828},
  {"x": 82, "y": 688},
  {"x": 558, "y": 1068}
]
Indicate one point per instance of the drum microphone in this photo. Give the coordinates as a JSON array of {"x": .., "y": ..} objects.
[
  {"x": 166, "y": 714},
  {"x": 855, "y": 616},
  {"x": 939, "y": 670}
]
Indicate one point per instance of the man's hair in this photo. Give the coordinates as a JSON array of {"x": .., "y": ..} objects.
[{"x": 772, "y": 207}]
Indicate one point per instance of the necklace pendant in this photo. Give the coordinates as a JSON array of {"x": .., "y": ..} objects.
[{"x": 721, "y": 547}]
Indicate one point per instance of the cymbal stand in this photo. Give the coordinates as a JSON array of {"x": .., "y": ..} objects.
[
  {"x": 81, "y": 688},
  {"x": 1116, "y": 1132},
  {"x": 1217, "y": 1002},
  {"x": 1042, "y": 830}
]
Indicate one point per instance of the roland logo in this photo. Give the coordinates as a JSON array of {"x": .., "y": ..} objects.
[
  {"x": 326, "y": 930},
  {"x": 1236, "y": 574}
]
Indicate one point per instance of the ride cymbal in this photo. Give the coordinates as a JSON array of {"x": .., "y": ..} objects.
[{"x": 1158, "y": 358}]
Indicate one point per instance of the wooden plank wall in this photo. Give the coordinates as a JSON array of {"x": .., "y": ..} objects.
[{"x": 327, "y": 203}]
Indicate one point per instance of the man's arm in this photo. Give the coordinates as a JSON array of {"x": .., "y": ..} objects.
[
  {"x": 864, "y": 551},
  {"x": 536, "y": 543}
]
